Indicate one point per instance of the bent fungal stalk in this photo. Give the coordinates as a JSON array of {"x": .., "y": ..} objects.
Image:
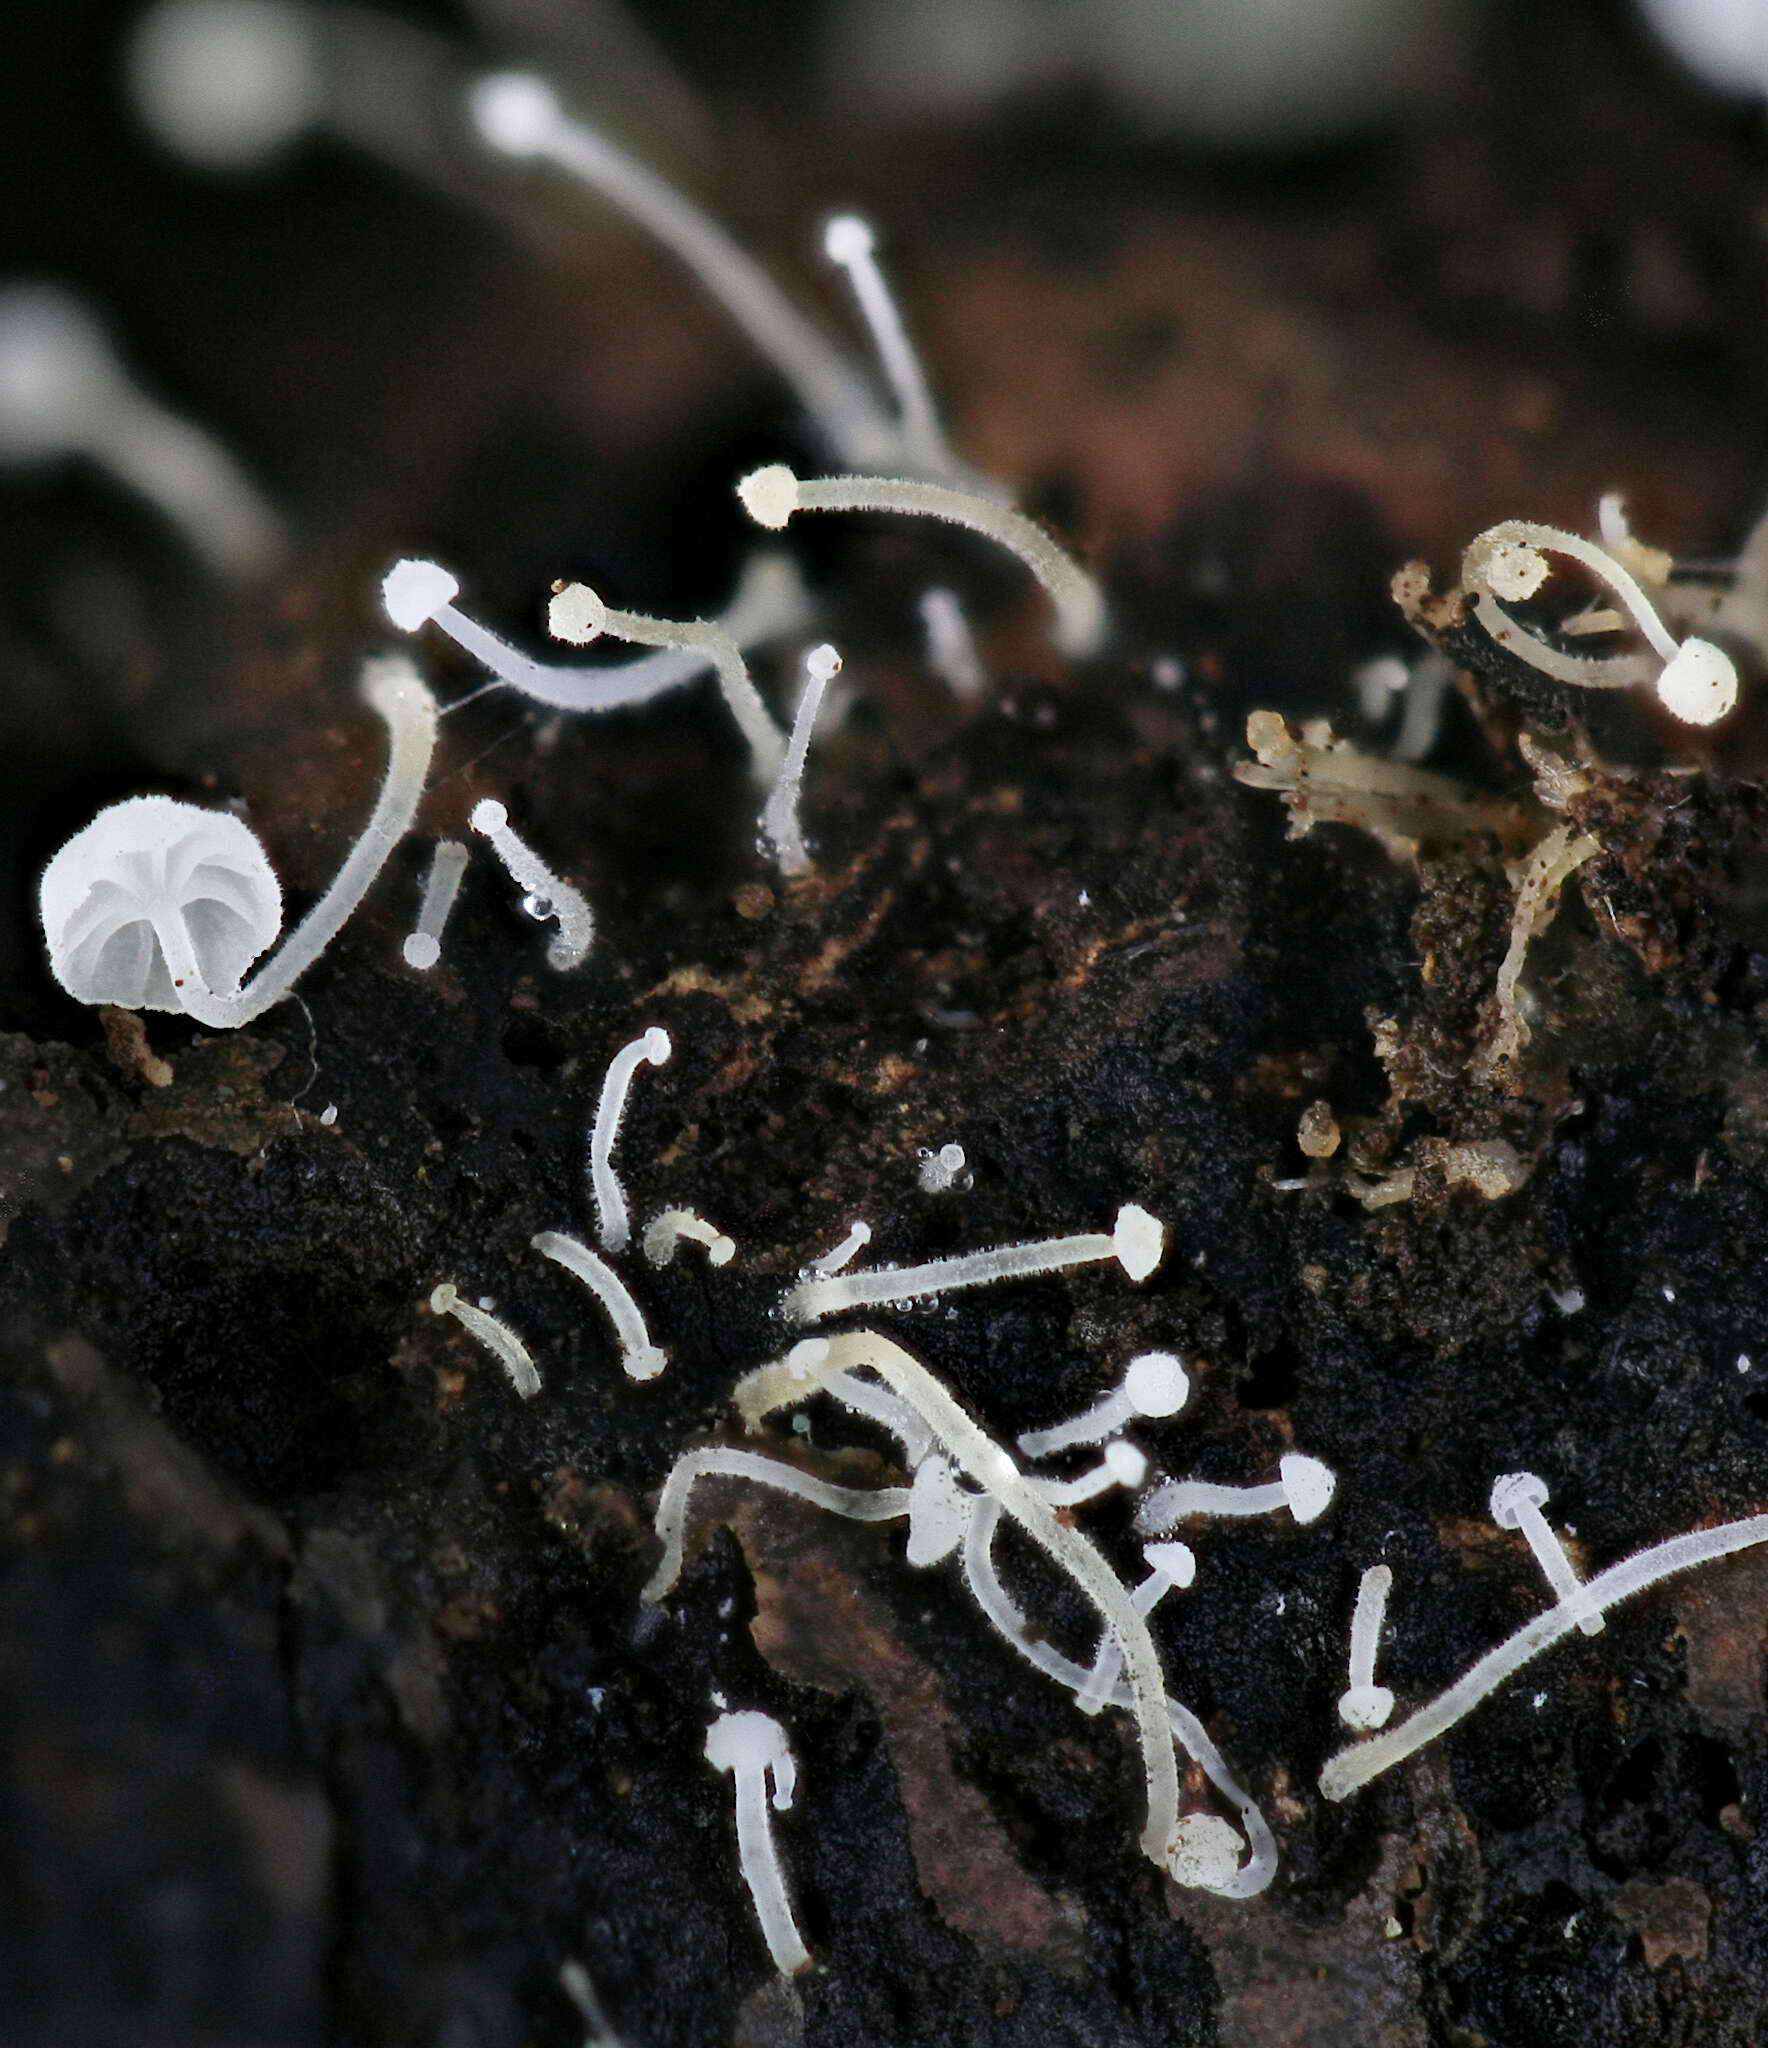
[
  {"x": 773, "y": 494},
  {"x": 770, "y": 603},
  {"x": 1363, "y": 1704},
  {"x": 1353, "y": 1768},
  {"x": 519, "y": 115},
  {"x": 666, "y": 1230},
  {"x": 545, "y": 895},
  {"x": 1169, "y": 1565},
  {"x": 1122, "y": 1465},
  {"x": 1155, "y": 1384},
  {"x": 162, "y": 905},
  {"x": 779, "y": 820},
  {"x": 1536, "y": 884},
  {"x": 501, "y": 1341},
  {"x": 579, "y": 615},
  {"x": 1517, "y": 1501},
  {"x": 66, "y": 394},
  {"x": 613, "y": 1226},
  {"x": 1137, "y": 1243},
  {"x": 849, "y": 242},
  {"x": 422, "y": 947},
  {"x": 859, "y": 1235},
  {"x": 987, "y": 1465},
  {"x": 752, "y": 1748},
  {"x": 639, "y": 1357},
  {"x": 1694, "y": 680}
]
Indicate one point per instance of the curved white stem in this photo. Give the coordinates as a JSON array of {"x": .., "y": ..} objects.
[
  {"x": 641, "y": 1358},
  {"x": 614, "y": 1227}
]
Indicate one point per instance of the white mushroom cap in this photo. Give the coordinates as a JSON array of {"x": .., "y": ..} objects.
[
  {"x": 1365, "y": 1707},
  {"x": 227, "y": 83},
  {"x": 769, "y": 495},
  {"x": 1138, "y": 1240},
  {"x": 577, "y": 614},
  {"x": 753, "y": 1741},
  {"x": 847, "y": 238},
  {"x": 1156, "y": 1383},
  {"x": 939, "y": 1511},
  {"x": 515, "y": 112},
  {"x": 57, "y": 371},
  {"x": 1512, "y": 1492},
  {"x": 1174, "y": 1561},
  {"x": 1127, "y": 1465},
  {"x": 1308, "y": 1486},
  {"x": 413, "y": 592},
  {"x": 114, "y": 887},
  {"x": 1204, "y": 1852},
  {"x": 1700, "y": 685}
]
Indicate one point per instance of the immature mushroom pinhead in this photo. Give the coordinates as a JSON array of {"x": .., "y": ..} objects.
[
  {"x": 752, "y": 1747},
  {"x": 1517, "y": 1501}
]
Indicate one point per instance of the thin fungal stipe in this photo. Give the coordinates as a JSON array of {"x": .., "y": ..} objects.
[
  {"x": 951, "y": 647},
  {"x": 640, "y": 1359},
  {"x": 779, "y": 820},
  {"x": 613, "y": 1224},
  {"x": 422, "y": 947},
  {"x": 850, "y": 242},
  {"x": 1136, "y": 1242},
  {"x": 666, "y": 1230},
  {"x": 859, "y": 1235},
  {"x": 752, "y": 1748},
  {"x": 773, "y": 494},
  {"x": 1352, "y": 1768},
  {"x": 501, "y": 1341},
  {"x": 546, "y": 895},
  {"x": 1364, "y": 1705}
]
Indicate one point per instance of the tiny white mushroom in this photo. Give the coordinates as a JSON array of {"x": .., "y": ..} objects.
[
  {"x": 546, "y": 894},
  {"x": 1517, "y": 1500},
  {"x": 1304, "y": 1486},
  {"x": 640, "y": 1358},
  {"x": 422, "y": 947},
  {"x": 1363, "y": 1704},
  {"x": 64, "y": 392},
  {"x": 501, "y": 1341},
  {"x": 1122, "y": 1465},
  {"x": 773, "y": 494},
  {"x": 651, "y": 1049},
  {"x": 779, "y": 818},
  {"x": 1170, "y": 1565},
  {"x": 1155, "y": 1384},
  {"x": 666, "y": 1230},
  {"x": 752, "y": 1747},
  {"x": 849, "y": 242},
  {"x": 859, "y": 1235},
  {"x": 227, "y": 83},
  {"x": 1136, "y": 1243},
  {"x": 939, "y": 1170}
]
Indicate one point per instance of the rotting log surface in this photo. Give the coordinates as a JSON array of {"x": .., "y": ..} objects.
[{"x": 329, "y": 1706}]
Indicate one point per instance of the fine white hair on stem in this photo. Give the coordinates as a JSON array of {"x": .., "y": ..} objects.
[
  {"x": 1695, "y": 680},
  {"x": 501, "y": 1341},
  {"x": 519, "y": 115},
  {"x": 162, "y": 905},
  {"x": 651, "y": 1048},
  {"x": 849, "y": 242},
  {"x": 1137, "y": 1243},
  {"x": 1304, "y": 1486},
  {"x": 779, "y": 818},
  {"x": 990, "y": 1467},
  {"x": 773, "y": 494},
  {"x": 769, "y": 603},
  {"x": 857, "y": 1503},
  {"x": 639, "y": 1357},
  {"x": 752, "y": 1748},
  {"x": 666, "y": 1230},
  {"x": 1352, "y": 1768},
  {"x": 1154, "y": 1384},
  {"x": 423, "y": 944},
  {"x": 951, "y": 647},
  {"x": 545, "y": 894},
  {"x": 64, "y": 392},
  {"x": 859, "y": 1235},
  {"x": 1363, "y": 1704},
  {"x": 578, "y": 614}
]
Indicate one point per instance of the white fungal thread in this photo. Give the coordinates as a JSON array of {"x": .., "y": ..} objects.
[
  {"x": 1363, "y": 1704},
  {"x": 639, "y": 1357},
  {"x": 545, "y": 895},
  {"x": 938, "y": 1171},
  {"x": 1166, "y": 1840},
  {"x": 613, "y": 1226},
  {"x": 850, "y": 242},
  {"x": 1353, "y": 1768},
  {"x": 666, "y": 1230},
  {"x": 859, "y": 1235},
  {"x": 520, "y": 116},
  {"x": 162, "y": 905},
  {"x": 770, "y": 603},
  {"x": 1137, "y": 1243},
  {"x": 501, "y": 1341},
  {"x": 1517, "y": 1501},
  {"x": 771, "y": 496},
  {"x": 1155, "y": 1384},
  {"x": 752, "y": 1748},
  {"x": 951, "y": 648},
  {"x": 574, "y": 1982},
  {"x": 65, "y": 393},
  {"x": 1304, "y": 1486},
  {"x": 1695, "y": 680},
  {"x": 423, "y": 944},
  {"x": 577, "y": 614},
  {"x": 779, "y": 819}
]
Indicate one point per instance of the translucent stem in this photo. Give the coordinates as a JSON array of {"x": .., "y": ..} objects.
[
  {"x": 613, "y": 1225},
  {"x": 638, "y": 1355},
  {"x": 423, "y": 945},
  {"x": 849, "y": 241},
  {"x": 779, "y": 820},
  {"x": 502, "y": 1342},
  {"x": 546, "y": 895}
]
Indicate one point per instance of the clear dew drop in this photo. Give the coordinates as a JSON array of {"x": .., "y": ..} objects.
[{"x": 539, "y": 908}]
